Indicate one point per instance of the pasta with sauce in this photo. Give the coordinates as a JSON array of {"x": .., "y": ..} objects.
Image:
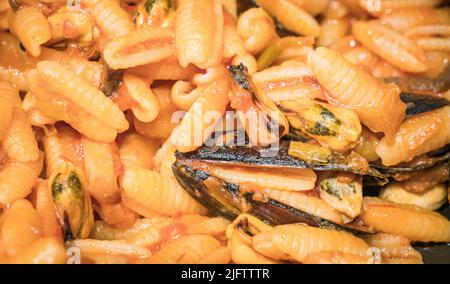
[{"x": 224, "y": 131}]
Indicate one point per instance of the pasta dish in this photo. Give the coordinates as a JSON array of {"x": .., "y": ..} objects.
[{"x": 224, "y": 131}]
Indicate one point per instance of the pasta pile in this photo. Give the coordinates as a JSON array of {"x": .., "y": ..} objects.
[{"x": 94, "y": 165}]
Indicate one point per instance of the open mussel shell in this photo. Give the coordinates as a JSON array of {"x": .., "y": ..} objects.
[
  {"x": 417, "y": 103},
  {"x": 228, "y": 201},
  {"x": 274, "y": 158}
]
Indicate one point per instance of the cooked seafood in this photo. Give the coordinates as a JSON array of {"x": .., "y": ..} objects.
[{"x": 224, "y": 131}]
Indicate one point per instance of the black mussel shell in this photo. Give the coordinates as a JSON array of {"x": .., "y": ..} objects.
[
  {"x": 417, "y": 103},
  {"x": 261, "y": 157},
  {"x": 229, "y": 203}
]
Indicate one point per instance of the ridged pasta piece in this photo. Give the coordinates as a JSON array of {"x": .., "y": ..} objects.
[
  {"x": 291, "y": 16},
  {"x": 18, "y": 178},
  {"x": 110, "y": 17},
  {"x": 418, "y": 135},
  {"x": 310, "y": 204},
  {"x": 150, "y": 193},
  {"x": 101, "y": 171},
  {"x": 20, "y": 227},
  {"x": 379, "y": 7},
  {"x": 186, "y": 250},
  {"x": 13, "y": 61},
  {"x": 412, "y": 222},
  {"x": 166, "y": 69},
  {"x": 59, "y": 80},
  {"x": 89, "y": 70},
  {"x": 332, "y": 30},
  {"x": 391, "y": 46},
  {"x": 297, "y": 241},
  {"x": 46, "y": 209},
  {"x": 140, "y": 47},
  {"x": 136, "y": 95},
  {"x": 43, "y": 251},
  {"x": 93, "y": 128},
  {"x": 32, "y": 29},
  {"x": 136, "y": 150},
  {"x": 377, "y": 105},
  {"x": 19, "y": 140},
  {"x": 198, "y": 124},
  {"x": 199, "y": 32}
]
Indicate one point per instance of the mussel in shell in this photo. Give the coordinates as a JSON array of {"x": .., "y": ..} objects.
[
  {"x": 196, "y": 173},
  {"x": 261, "y": 157}
]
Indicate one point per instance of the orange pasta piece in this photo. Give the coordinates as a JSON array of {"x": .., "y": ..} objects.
[
  {"x": 101, "y": 171},
  {"x": 18, "y": 178},
  {"x": 377, "y": 105},
  {"x": 391, "y": 46},
  {"x": 110, "y": 17},
  {"x": 43, "y": 251},
  {"x": 140, "y": 47},
  {"x": 412, "y": 222},
  {"x": 297, "y": 241},
  {"x": 117, "y": 215},
  {"x": 21, "y": 226},
  {"x": 89, "y": 70},
  {"x": 232, "y": 43},
  {"x": 418, "y": 135},
  {"x": 32, "y": 28},
  {"x": 291, "y": 16},
  {"x": 379, "y": 7},
  {"x": 199, "y": 32},
  {"x": 186, "y": 250},
  {"x": 166, "y": 69},
  {"x": 46, "y": 209},
  {"x": 136, "y": 150},
  {"x": 56, "y": 79},
  {"x": 13, "y": 61},
  {"x": 19, "y": 141},
  {"x": 136, "y": 95},
  {"x": 406, "y": 19},
  {"x": 198, "y": 124}
]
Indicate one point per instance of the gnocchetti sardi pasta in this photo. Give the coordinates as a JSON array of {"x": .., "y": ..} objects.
[{"x": 224, "y": 131}]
